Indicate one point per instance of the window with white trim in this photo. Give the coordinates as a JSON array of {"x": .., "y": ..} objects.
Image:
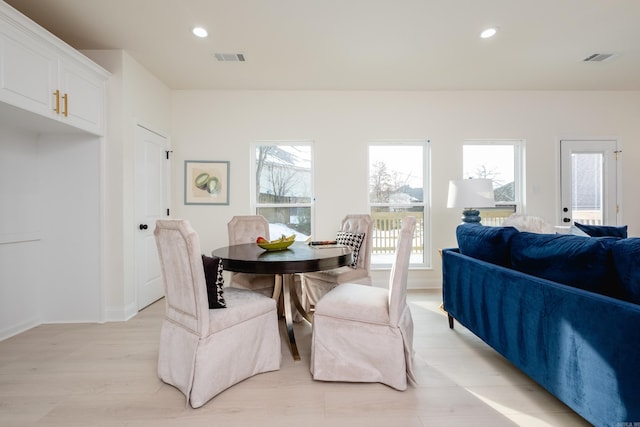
[
  {"x": 398, "y": 172},
  {"x": 282, "y": 187},
  {"x": 500, "y": 161}
]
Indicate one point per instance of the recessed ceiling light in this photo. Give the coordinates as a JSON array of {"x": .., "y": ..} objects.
[
  {"x": 489, "y": 32},
  {"x": 200, "y": 32}
]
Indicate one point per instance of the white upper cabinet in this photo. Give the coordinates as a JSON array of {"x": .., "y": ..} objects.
[
  {"x": 41, "y": 74},
  {"x": 81, "y": 97},
  {"x": 27, "y": 73}
]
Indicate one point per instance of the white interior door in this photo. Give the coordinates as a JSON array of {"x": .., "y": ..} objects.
[
  {"x": 152, "y": 203},
  {"x": 589, "y": 174}
]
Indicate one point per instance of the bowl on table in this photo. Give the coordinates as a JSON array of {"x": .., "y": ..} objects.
[{"x": 277, "y": 245}]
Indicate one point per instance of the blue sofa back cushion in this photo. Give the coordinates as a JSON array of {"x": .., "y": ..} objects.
[
  {"x": 582, "y": 262},
  {"x": 626, "y": 259},
  {"x": 603, "y": 230},
  {"x": 490, "y": 244}
]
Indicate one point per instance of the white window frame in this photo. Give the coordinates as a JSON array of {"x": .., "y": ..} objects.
[
  {"x": 518, "y": 167},
  {"x": 252, "y": 182},
  {"x": 426, "y": 181}
]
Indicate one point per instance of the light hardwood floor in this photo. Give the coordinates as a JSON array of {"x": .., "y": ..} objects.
[{"x": 94, "y": 375}]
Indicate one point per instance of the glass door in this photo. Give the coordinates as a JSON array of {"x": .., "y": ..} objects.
[{"x": 589, "y": 182}]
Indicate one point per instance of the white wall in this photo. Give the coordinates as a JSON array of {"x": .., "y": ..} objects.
[
  {"x": 221, "y": 125},
  {"x": 135, "y": 95},
  {"x": 19, "y": 231},
  {"x": 68, "y": 168},
  {"x": 50, "y": 224}
]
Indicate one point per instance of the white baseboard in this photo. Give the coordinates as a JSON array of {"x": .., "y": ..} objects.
[
  {"x": 16, "y": 329},
  {"x": 121, "y": 314}
]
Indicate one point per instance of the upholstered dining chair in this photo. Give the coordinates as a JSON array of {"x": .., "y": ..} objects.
[
  {"x": 365, "y": 333},
  {"x": 316, "y": 284},
  {"x": 205, "y": 351},
  {"x": 246, "y": 229}
]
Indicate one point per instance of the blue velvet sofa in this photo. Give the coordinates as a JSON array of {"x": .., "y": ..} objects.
[{"x": 564, "y": 309}]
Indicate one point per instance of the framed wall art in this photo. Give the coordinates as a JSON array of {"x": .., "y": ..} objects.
[{"x": 206, "y": 182}]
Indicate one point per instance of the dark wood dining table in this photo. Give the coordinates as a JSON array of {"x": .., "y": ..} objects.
[{"x": 297, "y": 258}]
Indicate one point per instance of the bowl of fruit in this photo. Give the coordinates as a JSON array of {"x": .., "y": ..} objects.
[{"x": 276, "y": 245}]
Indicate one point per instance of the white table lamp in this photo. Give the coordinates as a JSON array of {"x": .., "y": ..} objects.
[{"x": 471, "y": 194}]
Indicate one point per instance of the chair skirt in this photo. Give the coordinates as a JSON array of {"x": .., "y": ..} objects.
[
  {"x": 359, "y": 344},
  {"x": 202, "y": 367}
]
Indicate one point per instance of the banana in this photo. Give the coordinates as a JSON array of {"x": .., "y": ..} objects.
[{"x": 284, "y": 238}]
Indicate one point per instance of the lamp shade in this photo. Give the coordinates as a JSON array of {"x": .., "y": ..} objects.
[{"x": 471, "y": 193}]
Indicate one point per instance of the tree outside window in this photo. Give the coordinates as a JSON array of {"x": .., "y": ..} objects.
[
  {"x": 283, "y": 187},
  {"x": 397, "y": 189}
]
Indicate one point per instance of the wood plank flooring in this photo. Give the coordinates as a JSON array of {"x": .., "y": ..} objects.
[{"x": 91, "y": 375}]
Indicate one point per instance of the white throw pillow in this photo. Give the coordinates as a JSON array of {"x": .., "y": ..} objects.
[{"x": 529, "y": 223}]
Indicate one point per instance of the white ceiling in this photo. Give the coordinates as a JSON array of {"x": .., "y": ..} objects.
[{"x": 361, "y": 44}]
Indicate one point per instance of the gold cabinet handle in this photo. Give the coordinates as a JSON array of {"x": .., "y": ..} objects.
[
  {"x": 57, "y": 95},
  {"x": 65, "y": 98}
]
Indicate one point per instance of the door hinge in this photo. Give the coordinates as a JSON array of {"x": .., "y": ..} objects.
[
  {"x": 618, "y": 154},
  {"x": 168, "y": 151}
]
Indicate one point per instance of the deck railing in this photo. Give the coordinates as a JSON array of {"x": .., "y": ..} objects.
[
  {"x": 590, "y": 217},
  {"x": 495, "y": 216},
  {"x": 386, "y": 229}
]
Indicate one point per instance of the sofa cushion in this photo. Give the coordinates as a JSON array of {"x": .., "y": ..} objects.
[
  {"x": 490, "y": 244},
  {"x": 582, "y": 262},
  {"x": 626, "y": 259},
  {"x": 603, "y": 230}
]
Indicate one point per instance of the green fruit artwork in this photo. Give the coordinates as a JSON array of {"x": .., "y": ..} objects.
[
  {"x": 202, "y": 181},
  {"x": 213, "y": 185}
]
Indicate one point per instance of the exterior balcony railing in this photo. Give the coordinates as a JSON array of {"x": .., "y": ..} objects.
[{"x": 386, "y": 229}]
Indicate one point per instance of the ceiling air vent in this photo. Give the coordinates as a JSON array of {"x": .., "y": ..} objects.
[
  {"x": 598, "y": 57},
  {"x": 229, "y": 57}
]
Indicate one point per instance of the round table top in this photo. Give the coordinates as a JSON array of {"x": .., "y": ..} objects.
[{"x": 297, "y": 258}]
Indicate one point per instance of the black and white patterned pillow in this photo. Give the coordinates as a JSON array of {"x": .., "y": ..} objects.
[
  {"x": 354, "y": 240},
  {"x": 215, "y": 281}
]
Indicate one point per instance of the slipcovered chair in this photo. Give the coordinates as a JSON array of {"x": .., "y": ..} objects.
[
  {"x": 364, "y": 333},
  {"x": 316, "y": 284},
  {"x": 205, "y": 351},
  {"x": 246, "y": 229}
]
